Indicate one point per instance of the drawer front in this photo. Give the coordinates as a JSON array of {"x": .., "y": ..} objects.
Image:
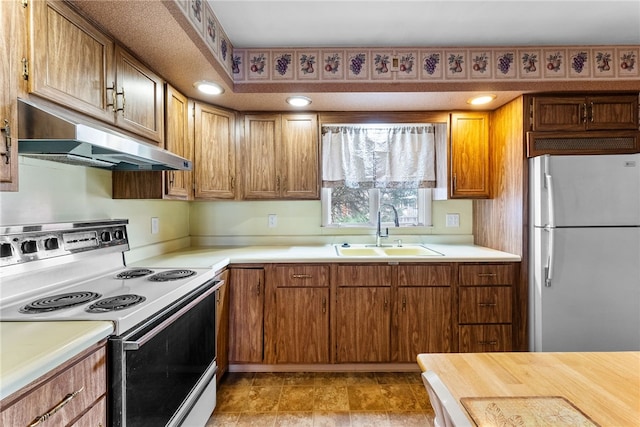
[
  {"x": 95, "y": 417},
  {"x": 487, "y": 304},
  {"x": 484, "y": 338},
  {"x": 485, "y": 274},
  {"x": 363, "y": 275},
  {"x": 301, "y": 275},
  {"x": 88, "y": 376},
  {"x": 424, "y": 275}
]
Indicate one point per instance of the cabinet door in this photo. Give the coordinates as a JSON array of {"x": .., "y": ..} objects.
[
  {"x": 559, "y": 113},
  {"x": 222, "y": 326},
  {"x": 71, "y": 60},
  {"x": 302, "y": 328},
  {"x": 424, "y": 321},
  {"x": 246, "y": 315},
  {"x": 139, "y": 98},
  {"x": 299, "y": 161},
  {"x": 363, "y": 324},
  {"x": 469, "y": 155},
  {"x": 262, "y": 134},
  {"x": 215, "y": 153},
  {"x": 11, "y": 50},
  {"x": 612, "y": 112},
  {"x": 178, "y": 184}
]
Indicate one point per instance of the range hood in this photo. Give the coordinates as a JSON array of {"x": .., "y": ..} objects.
[{"x": 60, "y": 137}]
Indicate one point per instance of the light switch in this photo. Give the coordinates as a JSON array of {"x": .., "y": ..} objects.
[
  {"x": 273, "y": 220},
  {"x": 155, "y": 225}
]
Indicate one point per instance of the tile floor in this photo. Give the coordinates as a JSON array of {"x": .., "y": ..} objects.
[{"x": 322, "y": 399}]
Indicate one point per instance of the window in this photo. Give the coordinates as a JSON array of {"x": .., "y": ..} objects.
[{"x": 366, "y": 167}]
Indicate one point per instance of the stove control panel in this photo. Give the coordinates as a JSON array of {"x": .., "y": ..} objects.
[{"x": 20, "y": 244}]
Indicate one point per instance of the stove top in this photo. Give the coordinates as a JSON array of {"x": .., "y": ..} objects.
[{"x": 85, "y": 281}]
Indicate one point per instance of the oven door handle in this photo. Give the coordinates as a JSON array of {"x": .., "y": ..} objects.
[{"x": 135, "y": 345}]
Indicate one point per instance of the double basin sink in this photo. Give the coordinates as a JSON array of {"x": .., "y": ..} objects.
[{"x": 385, "y": 251}]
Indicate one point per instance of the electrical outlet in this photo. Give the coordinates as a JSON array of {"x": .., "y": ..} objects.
[
  {"x": 272, "y": 220},
  {"x": 155, "y": 225},
  {"x": 453, "y": 220}
]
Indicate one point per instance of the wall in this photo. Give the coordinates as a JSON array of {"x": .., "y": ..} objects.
[
  {"x": 56, "y": 192},
  {"x": 228, "y": 223}
]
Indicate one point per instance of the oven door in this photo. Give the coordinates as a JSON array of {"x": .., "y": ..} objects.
[{"x": 160, "y": 369}]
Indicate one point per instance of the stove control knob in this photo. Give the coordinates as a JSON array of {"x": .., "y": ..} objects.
[
  {"x": 5, "y": 250},
  {"x": 119, "y": 234},
  {"x": 29, "y": 246},
  {"x": 105, "y": 236},
  {"x": 51, "y": 243}
]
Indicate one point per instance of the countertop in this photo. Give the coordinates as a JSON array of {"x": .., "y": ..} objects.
[
  {"x": 203, "y": 257},
  {"x": 605, "y": 386},
  {"x": 31, "y": 349}
]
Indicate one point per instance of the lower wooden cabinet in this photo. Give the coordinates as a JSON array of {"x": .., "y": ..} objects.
[
  {"x": 81, "y": 382},
  {"x": 363, "y": 321},
  {"x": 246, "y": 315},
  {"x": 485, "y": 307},
  {"x": 368, "y": 313},
  {"x": 222, "y": 326},
  {"x": 424, "y": 310},
  {"x": 302, "y": 325}
]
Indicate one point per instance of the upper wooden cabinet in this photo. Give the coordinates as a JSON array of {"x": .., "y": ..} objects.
[
  {"x": 469, "y": 156},
  {"x": 75, "y": 64},
  {"x": 580, "y": 113},
  {"x": 280, "y": 156},
  {"x": 12, "y": 45},
  {"x": 138, "y": 97},
  {"x": 215, "y": 153},
  {"x": 174, "y": 185}
]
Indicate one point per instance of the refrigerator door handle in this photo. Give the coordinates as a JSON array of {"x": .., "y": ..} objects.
[
  {"x": 548, "y": 269},
  {"x": 548, "y": 183}
]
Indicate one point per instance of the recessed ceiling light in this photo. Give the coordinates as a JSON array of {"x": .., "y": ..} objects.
[
  {"x": 298, "y": 101},
  {"x": 210, "y": 88},
  {"x": 482, "y": 99}
]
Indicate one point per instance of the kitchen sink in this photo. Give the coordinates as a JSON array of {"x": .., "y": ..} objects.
[{"x": 385, "y": 251}]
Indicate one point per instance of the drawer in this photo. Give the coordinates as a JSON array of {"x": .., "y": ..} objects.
[
  {"x": 292, "y": 275},
  {"x": 87, "y": 375},
  {"x": 363, "y": 275},
  {"x": 485, "y": 274},
  {"x": 484, "y": 304},
  {"x": 424, "y": 275},
  {"x": 95, "y": 417},
  {"x": 484, "y": 338}
]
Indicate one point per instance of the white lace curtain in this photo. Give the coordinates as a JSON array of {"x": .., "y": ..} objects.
[{"x": 387, "y": 156}]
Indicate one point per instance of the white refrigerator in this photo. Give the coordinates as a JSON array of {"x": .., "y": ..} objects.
[{"x": 584, "y": 253}]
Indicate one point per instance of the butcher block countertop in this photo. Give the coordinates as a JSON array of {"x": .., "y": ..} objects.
[
  {"x": 604, "y": 386},
  {"x": 29, "y": 350}
]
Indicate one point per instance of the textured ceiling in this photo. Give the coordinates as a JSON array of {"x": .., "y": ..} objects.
[
  {"x": 364, "y": 23},
  {"x": 153, "y": 31}
]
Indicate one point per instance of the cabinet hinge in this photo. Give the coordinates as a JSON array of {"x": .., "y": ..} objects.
[
  {"x": 25, "y": 69},
  {"x": 25, "y": 3},
  {"x": 530, "y": 114}
]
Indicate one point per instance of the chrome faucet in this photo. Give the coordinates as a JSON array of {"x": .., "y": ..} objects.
[{"x": 379, "y": 234}]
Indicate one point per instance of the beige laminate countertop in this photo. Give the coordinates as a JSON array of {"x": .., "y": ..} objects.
[
  {"x": 29, "y": 350},
  {"x": 205, "y": 257}
]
